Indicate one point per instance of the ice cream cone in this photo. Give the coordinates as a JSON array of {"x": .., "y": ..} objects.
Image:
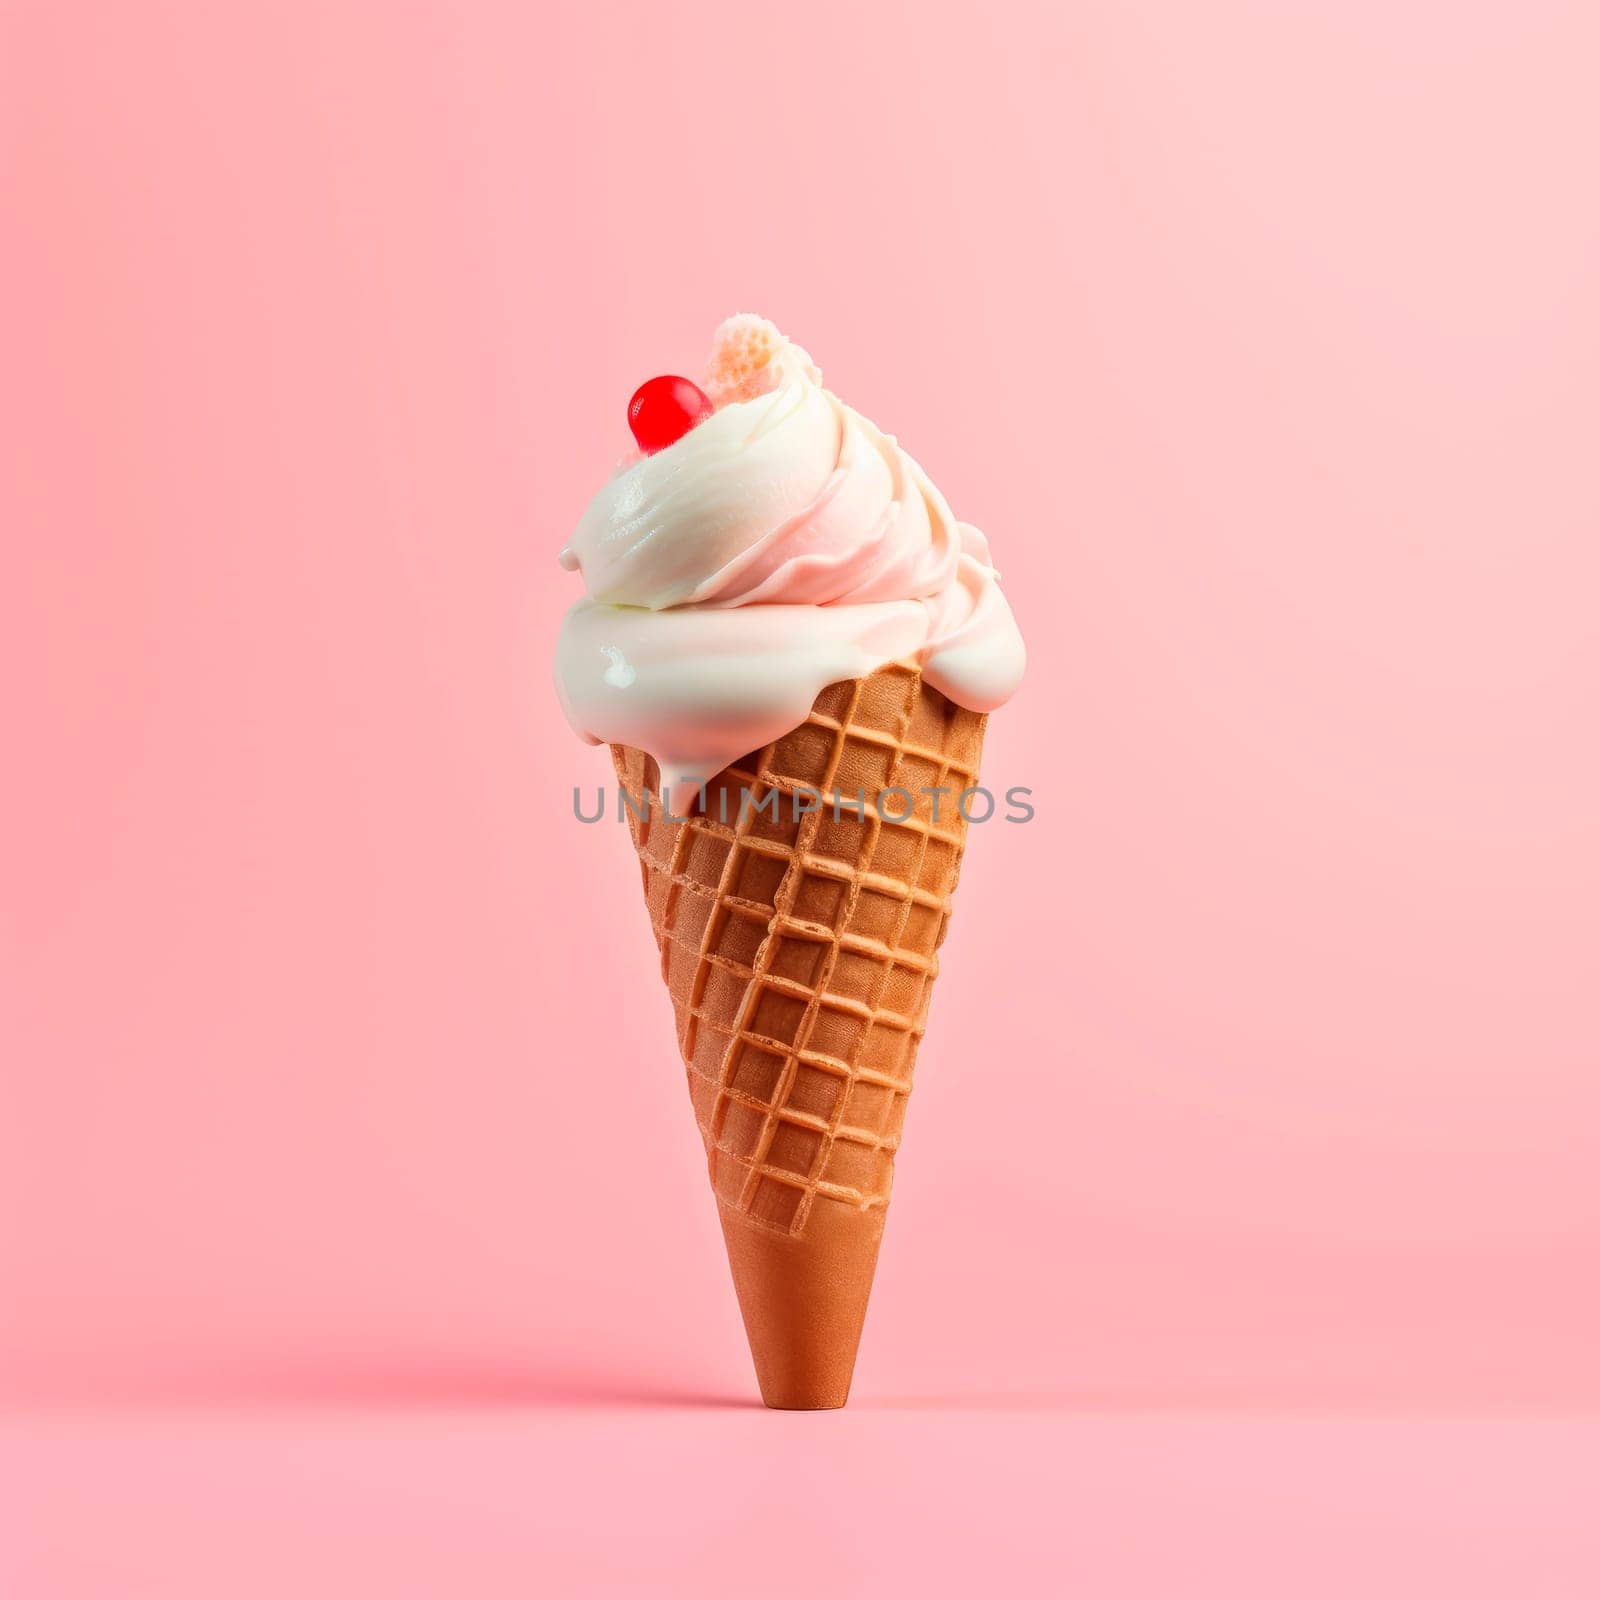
[
  {"x": 799, "y": 949},
  {"x": 773, "y": 573}
]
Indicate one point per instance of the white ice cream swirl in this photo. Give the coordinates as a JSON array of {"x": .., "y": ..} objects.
[{"x": 781, "y": 545}]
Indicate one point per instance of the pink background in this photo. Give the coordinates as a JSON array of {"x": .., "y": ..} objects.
[{"x": 1262, "y": 340}]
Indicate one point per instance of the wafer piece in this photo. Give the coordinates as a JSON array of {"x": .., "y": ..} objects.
[{"x": 800, "y": 952}]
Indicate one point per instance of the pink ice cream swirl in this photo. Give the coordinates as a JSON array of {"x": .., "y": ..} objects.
[{"x": 781, "y": 545}]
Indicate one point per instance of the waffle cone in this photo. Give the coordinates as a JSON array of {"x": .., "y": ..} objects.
[{"x": 800, "y": 952}]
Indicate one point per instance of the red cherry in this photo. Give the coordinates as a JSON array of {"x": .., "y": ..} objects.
[{"x": 663, "y": 410}]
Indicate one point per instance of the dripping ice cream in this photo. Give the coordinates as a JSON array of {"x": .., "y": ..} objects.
[{"x": 781, "y": 544}]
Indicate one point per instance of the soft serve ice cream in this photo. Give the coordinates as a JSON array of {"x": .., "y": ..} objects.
[{"x": 780, "y": 544}]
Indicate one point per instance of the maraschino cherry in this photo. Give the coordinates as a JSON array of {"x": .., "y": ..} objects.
[{"x": 663, "y": 410}]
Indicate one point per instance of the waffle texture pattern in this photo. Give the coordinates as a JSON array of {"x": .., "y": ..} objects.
[{"x": 800, "y": 949}]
